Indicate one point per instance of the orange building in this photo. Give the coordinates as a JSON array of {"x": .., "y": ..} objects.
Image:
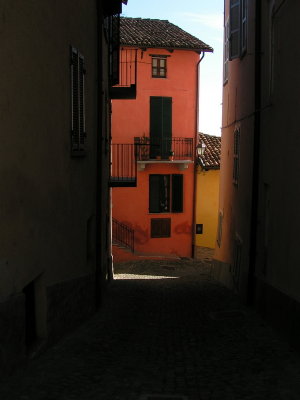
[{"x": 161, "y": 122}]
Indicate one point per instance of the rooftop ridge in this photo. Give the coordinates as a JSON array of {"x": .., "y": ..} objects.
[{"x": 147, "y": 32}]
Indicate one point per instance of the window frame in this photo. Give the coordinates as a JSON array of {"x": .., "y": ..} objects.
[
  {"x": 238, "y": 28},
  {"x": 159, "y": 59},
  {"x": 226, "y": 52},
  {"x": 244, "y": 26}
]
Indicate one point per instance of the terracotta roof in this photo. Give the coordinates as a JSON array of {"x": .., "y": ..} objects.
[
  {"x": 157, "y": 33},
  {"x": 212, "y": 153}
]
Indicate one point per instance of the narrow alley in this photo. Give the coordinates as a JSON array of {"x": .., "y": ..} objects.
[{"x": 166, "y": 330}]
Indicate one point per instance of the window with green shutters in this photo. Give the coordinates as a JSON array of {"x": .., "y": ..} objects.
[
  {"x": 238, "y": 28},
  {"x": 165, "y": 193},
  {"x": 78, "y": 133},
  {"x": 160, "y": 126},
  {"x": 226, "y": 51}
]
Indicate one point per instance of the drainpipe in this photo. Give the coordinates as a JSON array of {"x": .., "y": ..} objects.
[
  {"x": 256, "y": 157},
  {"x": 195, "y": 164}
]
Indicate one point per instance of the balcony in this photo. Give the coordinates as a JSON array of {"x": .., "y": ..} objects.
[
  {"x": 126, "y": 87},
  {"x": 123, "y": 165},
  {"x": 176, "y": 150}
]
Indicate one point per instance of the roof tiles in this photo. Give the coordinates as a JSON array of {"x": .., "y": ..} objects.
[
  {"x": 212, "y": 153},
  {"x": 158, "y": 33}
]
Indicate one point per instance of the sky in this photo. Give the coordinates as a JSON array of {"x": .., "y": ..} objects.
[{"x": 203, "y": 19}]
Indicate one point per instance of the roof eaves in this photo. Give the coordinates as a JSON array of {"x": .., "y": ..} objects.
[{"x": 153, "y": 46}]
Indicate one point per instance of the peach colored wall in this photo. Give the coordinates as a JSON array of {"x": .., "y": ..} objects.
[
  {"x": 131, "y": 118},
  {"x": 131, "y": 207},
  {"x": 237, "y": 113}
]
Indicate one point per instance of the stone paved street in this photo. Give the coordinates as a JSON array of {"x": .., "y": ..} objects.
[{"x": 166, "y": 328}]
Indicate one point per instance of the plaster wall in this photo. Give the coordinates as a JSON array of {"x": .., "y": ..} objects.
[
  {"x": 131, "y": 118},
  {"x": 207, "y": 205},
  {"x": 48, "y": 205},
  {"x": 238, "y": 113},
  {"x": 131, "y": 207}
]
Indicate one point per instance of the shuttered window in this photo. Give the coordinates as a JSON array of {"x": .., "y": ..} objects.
[
  {"x": 114, "y": 45},
  {"x": 244, "y": 12},
  {"x": 160, "y": 227},
  {"x": 234, "y": 29},
  {"x": 78, "y": 133},
  {"x": 238, "y": 28},
  {"x": 226, "y": 51},
  {"x": 165, "y": 193},
  {"x": 160, "y": 126}
]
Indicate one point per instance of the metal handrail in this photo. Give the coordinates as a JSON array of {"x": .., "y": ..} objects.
[
  {"x": 176, "y": 148},
  {"x": 122, "y": 234}
]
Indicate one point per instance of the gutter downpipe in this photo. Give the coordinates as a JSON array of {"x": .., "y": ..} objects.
[
  {"x": 256, "y": 158},
  {"x": 195, "y": 157}
]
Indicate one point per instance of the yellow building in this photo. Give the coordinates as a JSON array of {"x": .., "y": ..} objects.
[{"x": 207, "y": 194}]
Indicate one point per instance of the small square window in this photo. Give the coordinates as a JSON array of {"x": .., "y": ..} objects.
[
  {"x": 159, "y": 67},
  {"x": 160, "y": 227}
]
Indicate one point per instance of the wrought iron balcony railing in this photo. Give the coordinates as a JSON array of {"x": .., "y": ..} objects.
[
  {"x": 124, "y": 166},
  {"x": 122, "y": 235},
  {"x": 177, "y": 148},
  {"x": 126, "y": 87}
]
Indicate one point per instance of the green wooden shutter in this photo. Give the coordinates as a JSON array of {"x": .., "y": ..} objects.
[
  {"x": 177, "y": 193},
  {"x": 234, "y": 38},
  {"x": 160, "y": 126}
]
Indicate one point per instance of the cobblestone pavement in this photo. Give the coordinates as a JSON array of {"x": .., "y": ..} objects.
[{"x": 166, "y": 328}]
